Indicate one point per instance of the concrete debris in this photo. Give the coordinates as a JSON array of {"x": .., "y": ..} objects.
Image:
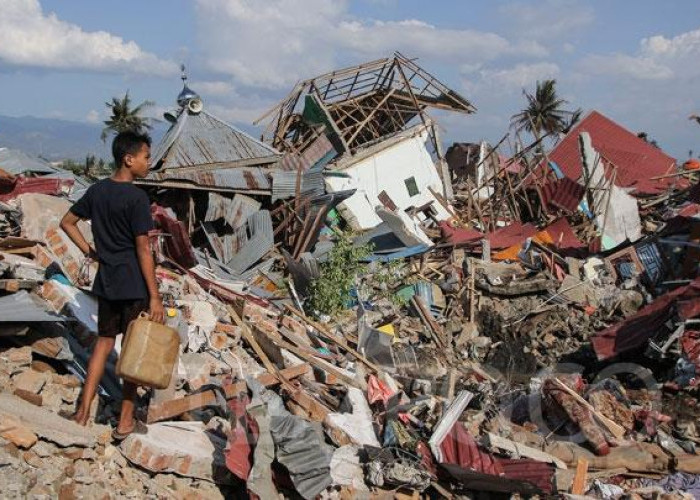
[
  {"x": 185, "y": 448},
  {"x": 49, "y": 425},
  {"x": 362, "y": 318}
]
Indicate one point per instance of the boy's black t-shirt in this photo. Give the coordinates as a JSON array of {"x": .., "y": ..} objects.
[{"x": 119, "y": 212}]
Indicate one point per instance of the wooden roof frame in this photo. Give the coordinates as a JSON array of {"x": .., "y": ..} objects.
[{"x": 363, "y": 103}]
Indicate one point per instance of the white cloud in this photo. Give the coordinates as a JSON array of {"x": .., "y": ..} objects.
[
  {"x": 521, "y": 75},
  {"x": 241, "y": 115},
  {"x": 275, "y": 43},
  {"x": 31, "y": 37},
  {"x": 212, "y": 88},
  {"x": 417, "y": 37},
  {"x": 658, "y": 58},
  {"x": 93, "y": 116},
  {"x": 508, "y": 79},
  {"x": 641, "y": 68},
  {"x": 549, "y": 19}
]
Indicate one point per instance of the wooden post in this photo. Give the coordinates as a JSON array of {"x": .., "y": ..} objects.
[{"x": 579, "y": 485}]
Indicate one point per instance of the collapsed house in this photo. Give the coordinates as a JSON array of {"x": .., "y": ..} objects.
[
  {"x": 532, "y": 332},
  {"x": 369, "y": 113}
]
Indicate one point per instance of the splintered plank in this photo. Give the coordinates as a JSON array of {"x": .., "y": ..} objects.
[
  {"x": 175, "y": 407},
  {"x": 579, "y": 485}
]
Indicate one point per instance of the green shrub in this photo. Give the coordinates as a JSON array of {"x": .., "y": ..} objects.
[{"x": 330, "y": 292}]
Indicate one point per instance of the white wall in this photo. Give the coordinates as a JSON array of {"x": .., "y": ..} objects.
[{"x": 386, "y": 171}]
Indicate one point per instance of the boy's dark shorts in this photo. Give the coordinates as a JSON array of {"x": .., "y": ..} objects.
[{"x": 114, "y": 316}]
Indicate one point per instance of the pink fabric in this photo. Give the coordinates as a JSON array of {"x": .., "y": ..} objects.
[{"x": 378, "y": 391}]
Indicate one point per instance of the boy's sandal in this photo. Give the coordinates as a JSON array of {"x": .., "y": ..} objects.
[{"x": 139, "y": 428}]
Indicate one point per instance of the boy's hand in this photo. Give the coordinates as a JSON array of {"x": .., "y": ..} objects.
[
  {"x": 156, "y": 310},
  {"x": 91, "y": 254}
]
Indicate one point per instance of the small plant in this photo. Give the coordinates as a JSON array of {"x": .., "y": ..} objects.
[
  {"x": 330, "y": 292},
  {"x": 384, "y": 281}
]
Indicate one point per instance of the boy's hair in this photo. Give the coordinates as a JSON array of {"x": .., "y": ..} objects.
[{"x": 128, "y": 143}]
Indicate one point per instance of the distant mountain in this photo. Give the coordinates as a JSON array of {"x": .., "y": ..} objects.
[{"x": 55, "y": 139}]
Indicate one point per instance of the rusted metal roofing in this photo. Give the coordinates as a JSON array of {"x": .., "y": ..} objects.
[
  {"x": 202, "y": 139},
  {"x": 635, "y": 330},
  {"x": 537, "y": 473},
  {"x": 319, "y": 151},
  {"x": 637, "y": 161},
  {"x": 252, "y": 178},
  {"x": 284, "y": 184}
]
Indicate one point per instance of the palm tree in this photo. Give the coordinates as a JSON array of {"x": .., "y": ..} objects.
[
  {"x": 544, "y": 112},
  {"x": 124, "y": 117}
]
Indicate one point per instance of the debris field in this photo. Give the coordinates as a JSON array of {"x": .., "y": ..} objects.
[{"x": 365, "y": 315}]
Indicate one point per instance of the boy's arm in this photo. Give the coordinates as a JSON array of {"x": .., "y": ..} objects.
[
  {"x": 69, "y": 224},
  {"x": 148, "y": 268}
]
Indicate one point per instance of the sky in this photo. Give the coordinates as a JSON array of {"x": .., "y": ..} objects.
[{"x": 638, "y": 62}]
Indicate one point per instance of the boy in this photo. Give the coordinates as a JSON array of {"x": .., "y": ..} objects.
[{"x": 125, "y": 283}]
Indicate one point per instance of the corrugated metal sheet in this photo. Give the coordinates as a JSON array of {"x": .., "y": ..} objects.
[
  {"x": 234, "y": 210},
  {"x": 202, "y": 139},
  {"x": 510, "y": 235},
  {"x": 562, "y": 235},
  {"x": 319, "y": 152},
  {"x": 284, "y": 184},
  {"x": 250, "y": 242},
  {"x": 42, "y": 185},
  {"x": 563, "y": 193},
  {"x": 635, "y": 330},
  {"x": 539, "y": 474},
  {"x": 479, "y": 482},
  {"x": 18, "y": 162},
  {"x": 22, "y": 307},
  {"x": 637, "y": 161},
  {"x": 254, "y": 179},
  {"x": 459, "y": 235}
]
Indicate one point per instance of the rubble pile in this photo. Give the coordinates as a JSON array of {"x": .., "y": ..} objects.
[{"x": 364, "y": 316}]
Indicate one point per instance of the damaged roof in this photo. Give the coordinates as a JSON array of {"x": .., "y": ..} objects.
[
  {"x": 197, "y": 139},
  {"x": 202, "y": 151},
  {"x": 637, "y": 161},
  {"x": 359, "y": 104},
  {"x": 18, "y": 162}
]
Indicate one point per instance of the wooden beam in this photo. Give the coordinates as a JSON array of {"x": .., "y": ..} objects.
[
  {"x": 332, "y": 338},
  {"x": 370, "y": 115},
  {"x": 314, "y": 408},
  {"x": 175, "y": 407},
  {"x": 615, "y": 429}
]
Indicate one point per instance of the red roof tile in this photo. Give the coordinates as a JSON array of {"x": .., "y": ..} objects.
[{"x": 636, "y": 160}]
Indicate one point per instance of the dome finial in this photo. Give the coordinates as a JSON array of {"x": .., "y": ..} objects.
[{"x": 187, "y": 94}]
